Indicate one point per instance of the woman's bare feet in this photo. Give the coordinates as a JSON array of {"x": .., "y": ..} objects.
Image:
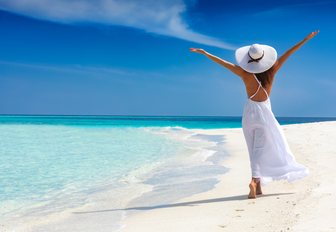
[
  {"x": 253, "y": 191},
  {"x": 255, "y": 188}
]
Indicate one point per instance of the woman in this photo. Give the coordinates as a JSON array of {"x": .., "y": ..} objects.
[{"x": 270, "y": 155}]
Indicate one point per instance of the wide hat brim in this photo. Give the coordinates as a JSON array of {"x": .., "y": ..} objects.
[{"x": 268, "y": 60}]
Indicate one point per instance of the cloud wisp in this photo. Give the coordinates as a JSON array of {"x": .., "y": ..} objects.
[
  {"x": 68, "y": 69},
  {"x": 75, "y": 69},
  {"x": 163, "y": 17}
]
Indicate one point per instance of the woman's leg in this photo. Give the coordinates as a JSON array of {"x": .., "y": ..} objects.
[
  {"x": 258, "y": 148},
  {"x": 258, "y": 190}
]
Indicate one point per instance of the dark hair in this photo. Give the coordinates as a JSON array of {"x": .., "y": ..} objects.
[{"x": 265, "y": 77}]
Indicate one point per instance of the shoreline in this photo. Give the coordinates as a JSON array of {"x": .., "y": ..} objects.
[{"x": 304, "y": 205}]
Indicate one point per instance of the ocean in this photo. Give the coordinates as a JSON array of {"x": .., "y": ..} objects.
[{"x": 53, "y": 165}]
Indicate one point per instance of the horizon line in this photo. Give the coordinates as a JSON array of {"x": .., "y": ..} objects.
[{"x": 142, "y": 115}]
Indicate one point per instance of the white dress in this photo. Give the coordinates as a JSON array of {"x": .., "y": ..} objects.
[{"x": 270, "y": 156}]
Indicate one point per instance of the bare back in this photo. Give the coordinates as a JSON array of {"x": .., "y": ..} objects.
[{"x": 252, "y": 86}]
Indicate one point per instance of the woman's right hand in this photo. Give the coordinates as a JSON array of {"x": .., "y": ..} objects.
[{"x": 198, "y": 50}]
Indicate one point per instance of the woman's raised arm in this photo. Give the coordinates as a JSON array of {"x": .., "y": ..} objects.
[
  {"x": 285, "y": 56},
  {"x": 232, "y": 67}
]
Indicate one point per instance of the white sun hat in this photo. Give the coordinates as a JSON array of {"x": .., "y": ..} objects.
[{"x": 256, "y": 58}]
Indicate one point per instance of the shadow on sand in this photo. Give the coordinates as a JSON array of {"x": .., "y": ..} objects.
[{"x": 188, "y": 203}]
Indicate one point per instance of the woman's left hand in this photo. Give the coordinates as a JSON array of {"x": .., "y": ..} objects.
[{"x": 312, "y": 34}]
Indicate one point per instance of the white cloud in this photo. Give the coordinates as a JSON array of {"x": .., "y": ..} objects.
[{"x": 162, "y": 17}]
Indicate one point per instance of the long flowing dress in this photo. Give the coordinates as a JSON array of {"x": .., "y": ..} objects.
[{"x": 270, "y": 156}]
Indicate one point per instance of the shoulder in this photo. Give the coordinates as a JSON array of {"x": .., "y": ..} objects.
[{"x": 246, "y": 76}]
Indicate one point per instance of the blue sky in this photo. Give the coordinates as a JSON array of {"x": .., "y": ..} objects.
[{"x": 132, "y": 57}]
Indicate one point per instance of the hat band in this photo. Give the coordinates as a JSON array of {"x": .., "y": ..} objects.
[{"x": 255, "y": 60}]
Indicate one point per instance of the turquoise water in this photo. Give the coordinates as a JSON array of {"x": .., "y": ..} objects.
[
  {"x": 191, "y": 122},
  {"x": 44, "y": 163},
  {"x": 51, "y": 163}
]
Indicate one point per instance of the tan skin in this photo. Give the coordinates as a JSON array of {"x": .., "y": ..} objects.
[{"x": 251, "y": 86}]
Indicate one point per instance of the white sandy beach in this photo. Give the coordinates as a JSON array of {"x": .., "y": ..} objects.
[{"x": 306, "y": 205}]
